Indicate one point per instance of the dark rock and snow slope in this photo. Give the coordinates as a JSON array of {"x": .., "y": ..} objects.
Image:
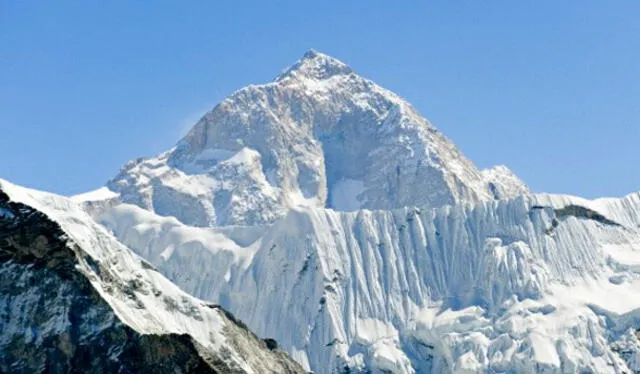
[{"x": 73, "y": 299}]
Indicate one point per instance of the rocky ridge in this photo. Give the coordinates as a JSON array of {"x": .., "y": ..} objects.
[{"x": 73, "y": 299}]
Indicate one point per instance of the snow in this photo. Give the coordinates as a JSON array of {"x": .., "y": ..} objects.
[
  {"x": 387, "y": 357},
  {"x": 102, "y": 193},
  {"x": 544, "y": 350},
  {"x": 167, "y": 252},
  {"x": 344, "y": 195},
  {"x": 628, "y": 255},
  {"x": 370, "y": 330},
  {"x": 215, "y": 154},
  {"x": 164, "y": 235},
  {"x": 503, "y": 183}
]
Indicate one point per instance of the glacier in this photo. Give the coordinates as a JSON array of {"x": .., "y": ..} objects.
[
  {"x": 325, "y": 212},
  {"x": 511, "y": 285}
]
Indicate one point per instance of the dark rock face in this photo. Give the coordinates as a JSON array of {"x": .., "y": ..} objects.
[
  {"x": 584, "y": 212},
  {"x": 577, "y": 211},
  {"x": 52, "y": 320},
  {"x": 271, "y": 344}
]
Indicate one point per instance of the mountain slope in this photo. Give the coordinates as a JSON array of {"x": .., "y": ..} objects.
[
  {"x": 542, "y": 283},
  {"x": 73, "y": 299},
  {"x": 318, "y": 135}
]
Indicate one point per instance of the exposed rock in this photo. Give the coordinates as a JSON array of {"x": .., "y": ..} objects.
[{"x": 579, "y": 211}]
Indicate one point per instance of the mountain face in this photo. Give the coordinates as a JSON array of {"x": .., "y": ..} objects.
[
  {"x": 73, "y": 299},
  {"x": 319, "y": 135},
  {"x": 540, "y": 283}
]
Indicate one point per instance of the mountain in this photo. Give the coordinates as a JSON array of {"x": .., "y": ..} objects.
[
  {"x": 73, "y": 299},
  {"x": 326, "y": 213},
  {"x": 319, "y": 135}
]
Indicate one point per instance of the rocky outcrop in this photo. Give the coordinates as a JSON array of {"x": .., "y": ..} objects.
[{"x": 579, "y": 211}]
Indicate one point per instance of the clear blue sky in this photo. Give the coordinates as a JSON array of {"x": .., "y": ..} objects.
[{"x": 552, "y": 89}]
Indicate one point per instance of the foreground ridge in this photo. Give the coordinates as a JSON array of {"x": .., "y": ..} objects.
[{"x": 74, "y": 299}]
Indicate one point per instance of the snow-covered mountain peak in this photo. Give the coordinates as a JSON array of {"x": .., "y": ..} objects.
[
  {"x": 315, "y": 65},
  {"x": 319, "y": 136}
]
